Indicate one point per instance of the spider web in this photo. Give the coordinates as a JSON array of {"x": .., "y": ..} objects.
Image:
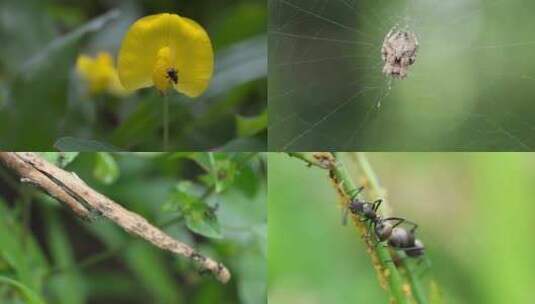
[{"x": 472, "y": 86}]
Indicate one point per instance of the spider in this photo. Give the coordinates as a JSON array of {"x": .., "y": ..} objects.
[{"x": 399, "y": 52}]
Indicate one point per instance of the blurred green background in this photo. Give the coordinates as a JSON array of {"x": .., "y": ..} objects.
[
  {"x": 49, "y": 256},
  {"x": 44, "y": 104},
  {"x": 471, "y": 88},
  {"x": 476, "y": 217}
]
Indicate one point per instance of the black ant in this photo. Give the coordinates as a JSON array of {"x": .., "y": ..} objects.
[
  {"x": 172, "y": 75},
  {"x": 366, "y": 210},
  {"x": 384, "y": 230},
  {"x": 399, "y": 237}
]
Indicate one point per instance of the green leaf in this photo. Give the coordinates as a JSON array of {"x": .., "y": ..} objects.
[
  {"x": 83, "y": 145},
  {"x": 106, "y": 169},
  {"x": 140, "y": 124},
  {"x": 72, "y": 37},
  {"x": 148, "y": 264},
  {"x": 20, "y": 251},
  {"x": 183, "y": 196},
  {"x": 239, "y": 22},
  {"x": 249, "y": 126},
  {"x": 200, "y": 218},
  {"x": 251, "y": 54},
  {"x": 246, "y": 144},
  {"x": 148, "y": 154},
  {"x": 60, "y": 159},
  {"x": 30, "y": 296},
  {"x": 247, "y": 181},
  {"x": 68, "y": 285},
  {"x": 221, "y": 174},
  {"x": 204, "y": 223},
  {"x": 181, "y": 155},
  {"x": 214, "y": 172},
  {"x": 202, "y": 159}
]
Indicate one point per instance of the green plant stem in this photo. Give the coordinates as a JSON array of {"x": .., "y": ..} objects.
[
  {"x": 90, "y": 261},
  {"x": 388, "y": 271},
  {"x": 214, "y": 172},
  {"x": 375, "y": 186},
  {"x": 389, "y": 276},
  {"x": 309, "y": 158},
  {"x": 165, "y": 121},
  {"x": 416, "y": 284},
  {"x": 368, "y": 172}
]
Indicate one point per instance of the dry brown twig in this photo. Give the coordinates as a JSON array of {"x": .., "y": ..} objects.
[{"x": 85, "y": 202}]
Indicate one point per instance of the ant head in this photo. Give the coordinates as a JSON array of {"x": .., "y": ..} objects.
[
  {"x": 368, "y": 211},
  {"x": 417, "y": 250},
  {"x": 355, "y": 206},
  {"x": 400, "y": 238},
  {"x": 383, "y": 230}
]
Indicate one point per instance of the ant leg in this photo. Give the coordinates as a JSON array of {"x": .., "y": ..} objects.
[
  {"x": 414, "y": 226},
  {"x": 411, "y": 248},
  {"x": 370, "y": 229},
  {"x": 355, "y": 192},
  {"x": 376, "y": 204},
  {"x": 399, "y": 220}
]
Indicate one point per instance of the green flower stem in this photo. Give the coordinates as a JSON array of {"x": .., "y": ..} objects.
[{"x": 165, "y": 122}]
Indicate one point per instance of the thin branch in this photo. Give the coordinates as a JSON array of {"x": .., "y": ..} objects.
[{"x": 85, "y": 202}]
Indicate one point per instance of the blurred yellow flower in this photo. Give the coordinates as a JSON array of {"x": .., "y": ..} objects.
[
  {"x": 167, "y": 51},
  {"x": 100, "y": 74}
]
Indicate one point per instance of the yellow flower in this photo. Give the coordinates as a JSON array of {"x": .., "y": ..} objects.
[
  {"x": 167, "y": 51},
  {"x": 100, "y": 74}
]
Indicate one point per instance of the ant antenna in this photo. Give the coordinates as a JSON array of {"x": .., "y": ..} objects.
[{"x": 355, "y": 192}]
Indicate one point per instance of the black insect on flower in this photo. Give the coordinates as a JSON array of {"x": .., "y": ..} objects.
[{"x": 172, "y": 75}]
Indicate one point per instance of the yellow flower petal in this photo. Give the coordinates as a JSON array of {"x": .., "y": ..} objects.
[
  {"x": 82, "y": 65},
  {"x": 157, "y": 44},
  {"x": 100, "y": 74}
]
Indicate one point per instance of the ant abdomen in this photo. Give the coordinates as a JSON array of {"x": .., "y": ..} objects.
[
  {"x": 383, "y": 230},
  {"x": 401, "y": 238},
  {"x": 417, "y": 250}
]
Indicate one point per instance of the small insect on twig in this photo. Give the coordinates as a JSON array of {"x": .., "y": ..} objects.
[{"x": 385, "y": 229}]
